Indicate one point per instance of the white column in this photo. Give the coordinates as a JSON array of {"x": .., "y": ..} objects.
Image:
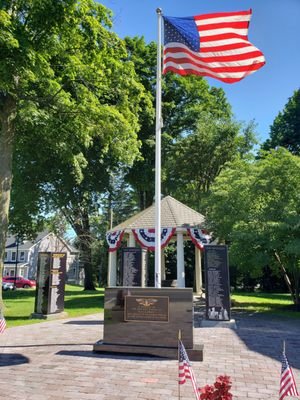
[
  {"x": 180, "y": 261},
  {"x": 163, "y": 265},
  {"x": 198, "y": 270},
  {"x": 131, "y": 240},
  {"x": 112, "y": 269}
]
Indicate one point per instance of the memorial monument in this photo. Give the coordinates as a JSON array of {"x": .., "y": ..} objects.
[
  {"x": 217, "y": 288},
  {"x": 144, "y": 320},
  {"x": 50, "y": 289},
  {"x": 147, "y": 320}
]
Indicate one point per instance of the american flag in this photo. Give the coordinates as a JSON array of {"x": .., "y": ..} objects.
[
  {"x": 214, "y": 45},
  {"x": 185, "y": 370},
  {"x": 2, "y": 324},
  {"x": 287, "y": 381}
]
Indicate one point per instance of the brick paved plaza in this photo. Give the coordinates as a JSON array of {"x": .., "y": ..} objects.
[{"x": 54, "y": 360}]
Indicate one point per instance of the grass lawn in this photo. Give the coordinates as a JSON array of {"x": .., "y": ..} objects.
[
  {"x": 20, "y": 304},
  {"x": 271, "y": 303}
]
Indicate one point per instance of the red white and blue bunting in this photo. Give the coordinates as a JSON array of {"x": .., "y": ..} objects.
[
  {"x": 114, "y": 240},
  {"x": 199, "y": 237},
  {"x": 146, "y": 237}
]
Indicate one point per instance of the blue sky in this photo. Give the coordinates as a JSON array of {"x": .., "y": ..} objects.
[{"x": 274, "y": 29}]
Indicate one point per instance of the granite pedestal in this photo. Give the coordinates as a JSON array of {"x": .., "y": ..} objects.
[{"x": 147, "y": 321}]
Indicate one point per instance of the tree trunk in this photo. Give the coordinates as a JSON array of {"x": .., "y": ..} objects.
[
  {"x": 142, "y": 200},
  {"x": 294, "y": 295},
  {"x": 83, "y": 233},
  {"x": 146, "y": 199},
  {"x": 7, "y": 115},
  {"x": 297, "y": 281},
  {"x": 149, "y": 198}
]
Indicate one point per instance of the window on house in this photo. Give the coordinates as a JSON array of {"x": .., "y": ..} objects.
[
  {"x": 12, "y": 272},
  {"x": 5, "y": 256},
  {"x": 13, "y": 255},
  {"x": 22, "y": 255}
]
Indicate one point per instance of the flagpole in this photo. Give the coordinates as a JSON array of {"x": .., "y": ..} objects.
[
  {"x": 158, "y": 157},
  {"x": 179, "y": 338}
]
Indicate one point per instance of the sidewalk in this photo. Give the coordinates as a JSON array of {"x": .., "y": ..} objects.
[{"x": 54, "y": 360}]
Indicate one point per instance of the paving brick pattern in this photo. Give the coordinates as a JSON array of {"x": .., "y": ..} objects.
[{"x": 54, "y": 360}]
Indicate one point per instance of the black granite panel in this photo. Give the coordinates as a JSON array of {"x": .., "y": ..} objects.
[
  {"x": 134, "y": 266},
  {"x": 145, "y": 332},
  {"x": 50, "y": 291},
  {"x": 217, "y": 287}
]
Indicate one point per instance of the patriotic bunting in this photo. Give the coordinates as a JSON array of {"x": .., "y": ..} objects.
[
  {"x": 114, "y": 240},
  {"x": 199, "y": 237},
  {"x": 146, "y": 237}
]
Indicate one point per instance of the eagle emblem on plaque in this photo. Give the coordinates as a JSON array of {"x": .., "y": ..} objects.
[{"x": 146, "y": 302}]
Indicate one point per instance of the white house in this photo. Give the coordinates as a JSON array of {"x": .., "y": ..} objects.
[{"x": 22, "y": 259}]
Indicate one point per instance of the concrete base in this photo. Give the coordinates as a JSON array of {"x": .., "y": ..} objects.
[
  {"x": 205, "y": 323},
  {"x": 195, "y": 354},
  {"x": 49, "y": 316}
]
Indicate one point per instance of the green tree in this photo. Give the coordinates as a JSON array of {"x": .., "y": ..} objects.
[
  {"x": 195, "y": 160},
  {"x": 255, "y": 207},
  {"x": 285, "y": 130},
  {"x": 141, "y": 175},
  {"x": 117, "y": 204},
  {"x": 29, "y": 38},
  {"x": 58, "y": 224},
  {"x": 68, "y": 107}
]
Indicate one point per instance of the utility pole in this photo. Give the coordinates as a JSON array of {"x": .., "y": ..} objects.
[{"x": 16, "y": 265}]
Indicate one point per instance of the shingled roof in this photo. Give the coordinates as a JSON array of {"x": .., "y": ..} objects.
[{"x": 173, "y": 215}]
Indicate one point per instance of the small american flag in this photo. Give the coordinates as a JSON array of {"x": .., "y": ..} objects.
[
  {"x": 2, "y": 324},
  {"x": 214, "y": 45},
  {"x": 185, "y": 369},
  {"x": 287, "y": 381}
]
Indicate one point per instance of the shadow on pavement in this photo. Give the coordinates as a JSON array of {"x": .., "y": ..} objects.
[
  {"x": 116, "y": 356},
  {"x": 84, "y": 322},
  {"x": 264, "y": 334},
  {"x": 12, "y": 359}
]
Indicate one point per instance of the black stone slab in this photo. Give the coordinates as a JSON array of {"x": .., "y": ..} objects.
[
  {"x": 134, "y": 266},
  {"x": 147, "y": 321},
  {"x": 217, "y": 287},
  {"x": 50, "y": 291}
]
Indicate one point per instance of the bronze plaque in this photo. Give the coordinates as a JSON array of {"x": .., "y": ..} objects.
[{"x": 146, "y": 309}]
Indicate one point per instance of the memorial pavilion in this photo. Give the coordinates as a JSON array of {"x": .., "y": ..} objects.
[{"x": 178, "y": 221}]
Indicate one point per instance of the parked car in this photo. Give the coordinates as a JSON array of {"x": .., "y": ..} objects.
[
  {"x": 7, "y": 286},
  {"x": 19, "y": 281}
]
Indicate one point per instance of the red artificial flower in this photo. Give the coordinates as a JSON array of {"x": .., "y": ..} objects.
[{"x": 219, "y": 391}]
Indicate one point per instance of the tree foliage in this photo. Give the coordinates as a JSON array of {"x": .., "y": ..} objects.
[
  {"x": 195, "y": 160},
  {"x": 285, "y": 130},
  {"x": 75, "y": 109},
  {"x": 255, "y": 207}
]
